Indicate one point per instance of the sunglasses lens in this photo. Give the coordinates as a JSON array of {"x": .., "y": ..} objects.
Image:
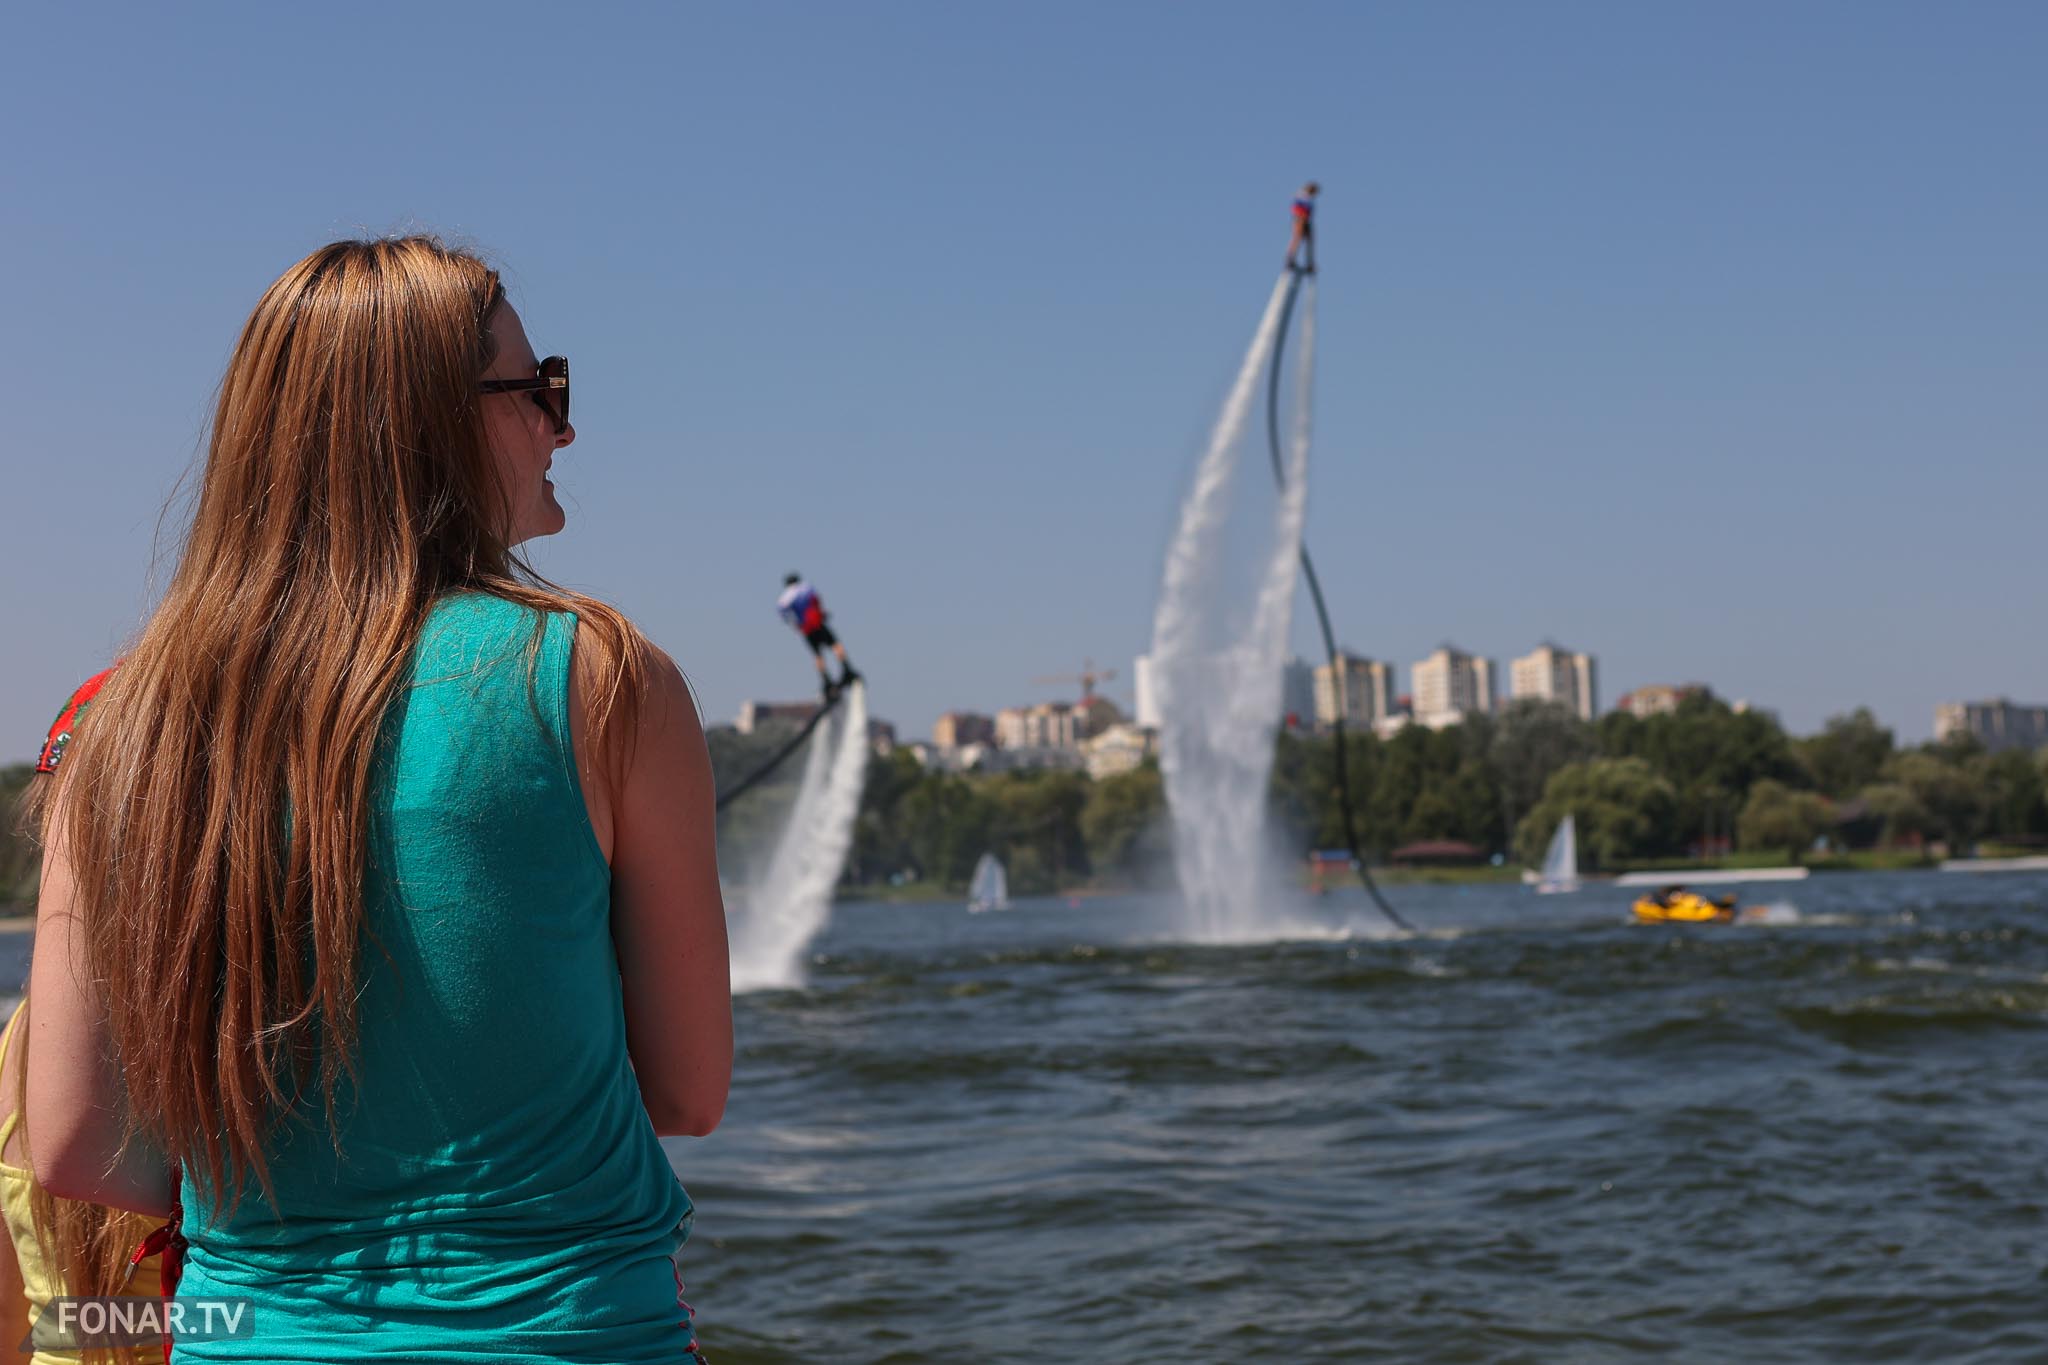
[{"x": 557, "y": 367}]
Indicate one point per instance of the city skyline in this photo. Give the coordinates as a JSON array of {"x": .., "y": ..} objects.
[
  {"x": 1671, "y": 333},
  {"x": 1585, "y": 664},
  {"x": 1548, "y": 673}
]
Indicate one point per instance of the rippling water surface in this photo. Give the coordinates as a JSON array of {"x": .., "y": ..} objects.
[{"x": 1534, "y": 1132}]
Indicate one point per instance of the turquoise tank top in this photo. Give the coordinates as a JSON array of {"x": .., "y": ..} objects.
[{"x": 500, "y": 1194}]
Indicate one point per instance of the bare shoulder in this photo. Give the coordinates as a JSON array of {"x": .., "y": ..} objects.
[
  {"x": 634, "y": 724},
  {"x": 668, "y": 746}
]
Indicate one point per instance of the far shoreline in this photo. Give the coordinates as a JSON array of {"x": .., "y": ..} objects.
[
  {"x": 928, "y": 893},
  {"x": 18, "y": 918}
]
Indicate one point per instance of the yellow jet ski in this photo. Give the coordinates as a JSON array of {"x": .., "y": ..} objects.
[{"x": 1676, "y": 905}]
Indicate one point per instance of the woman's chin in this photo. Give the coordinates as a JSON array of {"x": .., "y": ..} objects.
[{"x": 547, "y": 519}]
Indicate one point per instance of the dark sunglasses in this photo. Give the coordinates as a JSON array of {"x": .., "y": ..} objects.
[{"x": 549, "y": 389}]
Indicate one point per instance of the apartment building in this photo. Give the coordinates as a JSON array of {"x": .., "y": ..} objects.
[
  {"x": 1358, "y": 689},
  {"x": 1550, "y": 673},
  {"x": 1450, "y": 685},
  {"x": 1996, "y": 724},
  {"x": 956, "y": 729}
]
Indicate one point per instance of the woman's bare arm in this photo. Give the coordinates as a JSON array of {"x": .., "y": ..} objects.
[
  {"x": 653, "y": 805},
  {"x": 75, "y": 1115}
]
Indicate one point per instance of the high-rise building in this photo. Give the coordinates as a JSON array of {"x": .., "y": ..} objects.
[
  {"x": 1556, "y": 675},
  {"x": 1451, "y": 685},
  {"x": 1013, "y": 723},
  {"x": 957, "y": 728},
  {"x": 1363, "y": 695},
  {"x": 1148, "y": 696},
  {"x": 1996, "y": 724}
]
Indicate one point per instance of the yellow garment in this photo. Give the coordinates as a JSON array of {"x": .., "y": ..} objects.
[{"x": 38, "y": 1277}]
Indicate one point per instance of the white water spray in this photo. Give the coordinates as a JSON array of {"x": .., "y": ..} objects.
[
  {"x": 785, "y": 912},
  {"x": 1217, "y": 673}
]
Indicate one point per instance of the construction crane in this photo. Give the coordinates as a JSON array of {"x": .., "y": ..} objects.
[{"x": 1087, "y": 677}]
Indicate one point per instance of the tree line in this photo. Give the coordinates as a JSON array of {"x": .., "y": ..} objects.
[
  {"x": 1700, "y": 781},
  {"x": 1052, "y": 828}
]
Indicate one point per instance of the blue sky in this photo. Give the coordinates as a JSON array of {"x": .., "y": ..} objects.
[{"x": 1709, "y": 338}]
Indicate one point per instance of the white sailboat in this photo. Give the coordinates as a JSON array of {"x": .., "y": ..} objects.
[
  {"x": 1561, "y": 863},
  {"x": 990, "y": 889}
]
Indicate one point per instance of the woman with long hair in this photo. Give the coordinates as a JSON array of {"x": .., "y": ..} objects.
[{"x": 380, "y": 935}]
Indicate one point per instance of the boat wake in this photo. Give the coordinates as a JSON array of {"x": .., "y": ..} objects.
[{"x": 1773, "y": 913}]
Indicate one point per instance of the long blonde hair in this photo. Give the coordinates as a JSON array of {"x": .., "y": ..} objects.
[{"x": 216, "y": 806}]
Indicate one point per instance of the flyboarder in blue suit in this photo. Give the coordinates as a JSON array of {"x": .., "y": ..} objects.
[{"x": 804, "y": 610}]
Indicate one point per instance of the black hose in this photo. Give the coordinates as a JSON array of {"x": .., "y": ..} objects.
[
  {"x": 1315, "y": 592},
  {"x": 760, "y": 774}
]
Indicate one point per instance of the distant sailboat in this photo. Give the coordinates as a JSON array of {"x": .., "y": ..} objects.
[
  {"x": 990, "y": 889},
  {"x": 1561, "y": 863}
]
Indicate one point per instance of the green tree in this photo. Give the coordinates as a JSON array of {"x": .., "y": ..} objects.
[
  {"x": 1037, "y": 827},
  {"x": 1705, "y": 740},
  {"x": 1531, "y": 742},
  {"x": 881, "y": 845},
  {"x": 1462, "y": 804},
  {"x": 1388, "y": 782},
  {"x": 1848, "y": 754},
  {"x": 1906, "y": 821},
  {"x": 1433, "y": 816},
  {"x": 1776, "y": 816},
  {"x": 1623, "y": 810},
  {"x": 947, "y": 823},
  {"x": 1123, "y": 822},
  {"x": 1943, "y": 786},
  {"x": 2014, "y": 794},
  {"x": 1711, "y": 754},
  {"x": 1301, "y": 793},
  {"x": 20, "y": 859}
]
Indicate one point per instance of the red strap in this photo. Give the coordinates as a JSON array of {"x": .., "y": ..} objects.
[
  {"x": 168, "y": 1242},
  {"x": 67, "y": 719}
]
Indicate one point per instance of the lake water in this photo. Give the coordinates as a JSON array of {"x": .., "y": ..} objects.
[{"x": 1535, "y": 1132}]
